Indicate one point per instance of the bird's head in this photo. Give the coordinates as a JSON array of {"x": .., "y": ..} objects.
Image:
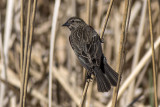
[{"x": 74, "y": 22}]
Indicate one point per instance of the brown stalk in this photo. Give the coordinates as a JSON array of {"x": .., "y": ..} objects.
[
  {"x": 84, "y": 70},
  {"x": 121, "y": 50},
  {"x": 90, "y": 88},
  {"x": 153, "y": 54},
  {"x": 104, "y": 26},
  {"x": 30, "y": 48},
  {"x": 84, "y": 76},
  {"x": 25, "y": 55},
  {"x": 89, "y": 12},
  {"x": 106, "y": 18},
  {"x": 22, "y": 33},
  {"x": 84, "y": 94}
]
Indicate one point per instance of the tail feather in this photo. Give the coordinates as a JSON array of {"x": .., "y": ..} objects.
[
  {"x": 110, "y": 73},
  {"x": 103, "y": 83}
]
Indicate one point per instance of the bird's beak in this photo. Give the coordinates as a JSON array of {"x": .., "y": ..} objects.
[{"x": 66, "y": 24}]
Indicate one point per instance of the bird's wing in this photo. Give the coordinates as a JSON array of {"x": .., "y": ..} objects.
[
  {"x": 87, "y": 48},
  {"x": 93, "y": 45}
]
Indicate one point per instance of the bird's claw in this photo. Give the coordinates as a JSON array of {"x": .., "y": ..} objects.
[
  {"x": 89, "y": 77},
  {"x": 102, "y": 40},
  {"x": 89, "y": 80}
]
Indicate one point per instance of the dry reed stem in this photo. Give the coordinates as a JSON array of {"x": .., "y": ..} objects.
[
  {"x": 106, "y": 18},
  {"x": 29, "y": 50},
  {"x": 25, "y": 55},
  {"x": 84, "y": 94},
  {"x": 103, "y": 29},
  {"x": 22, "y": 34},
  {"x": 84, "y": 70},
  {"x": 137, "y": 49},
  {"x": 8, "y": 26},
  {"x": 88, "y": 22},
  {"x": 153, "y": 54},
  {"x": 89, "y": 12},
  {"x": 89, "y": 93},
  {"x": 52, "y": 42},
  {"x": 84, "y": 76},
  {"x": 128, "y": 18},
  {"x": 121, "y": 50},
  {"x": 89, "y": 16},
  {"x": 136, "y": 71},
  {"x": 7, "y": 34},
  {"x": 3, "y": 70}
]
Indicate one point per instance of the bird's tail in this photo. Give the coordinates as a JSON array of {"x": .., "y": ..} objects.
[
  {"x": 103, "y": 83},
  {"x": 109, "y": 72},
  {"x": 105, "y": 76}
]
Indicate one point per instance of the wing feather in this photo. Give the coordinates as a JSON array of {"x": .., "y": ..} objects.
[{"x": 87, "y": 47}]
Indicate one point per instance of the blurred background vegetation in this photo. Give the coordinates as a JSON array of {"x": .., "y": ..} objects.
[{"x": 68, "y": 78}]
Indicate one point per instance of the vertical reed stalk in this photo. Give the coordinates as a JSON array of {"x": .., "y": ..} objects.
[
  {"x": 84, "y": 94},
  {"x": 84, "y": 70},
  {"x": 22, "y": 34},
  {"x": 121, "y": 56},
  {"x": 52, "y": 42},
  {"x": 7, "y": 35},
  {"x": 25, "y": 55},
  {"x": 3, "y": 70},
  {"x": 90, "y": 88},
  {"x": 153, "y": 54},
  {"x": 28, "y": 48},
  {"x": 106, "y": 18}
]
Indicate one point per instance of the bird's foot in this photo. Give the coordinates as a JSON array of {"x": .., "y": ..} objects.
[
  {"x": 89, "y": 80},
  {"x": 102, "y": 40},
  {"x": 89, "y": 77}
]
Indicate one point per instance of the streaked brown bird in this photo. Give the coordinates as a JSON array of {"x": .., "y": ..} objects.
[{"x": 86, "y": 44}]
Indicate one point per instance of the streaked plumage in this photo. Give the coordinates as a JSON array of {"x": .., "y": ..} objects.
[{"x": 86, "y": 44}]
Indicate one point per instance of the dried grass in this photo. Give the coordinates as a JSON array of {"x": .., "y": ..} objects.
[{"x": 67, "y": 85}]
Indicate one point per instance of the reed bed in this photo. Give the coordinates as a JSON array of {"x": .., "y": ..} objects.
[{"x": 38, "y": 67}]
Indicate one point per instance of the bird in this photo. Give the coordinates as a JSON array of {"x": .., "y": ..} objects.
[{"x": 86, "y": 44}]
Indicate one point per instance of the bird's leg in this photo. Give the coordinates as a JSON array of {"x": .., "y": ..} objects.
[
  {"x": 88, "y": 76},
  {"x": 101, "y": 40}
]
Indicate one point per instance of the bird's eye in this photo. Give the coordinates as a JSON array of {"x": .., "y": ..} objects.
[{"x": 72, "y": 21}]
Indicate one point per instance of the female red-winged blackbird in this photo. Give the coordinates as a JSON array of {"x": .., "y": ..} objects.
[{"x": 86, "y": 44}]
